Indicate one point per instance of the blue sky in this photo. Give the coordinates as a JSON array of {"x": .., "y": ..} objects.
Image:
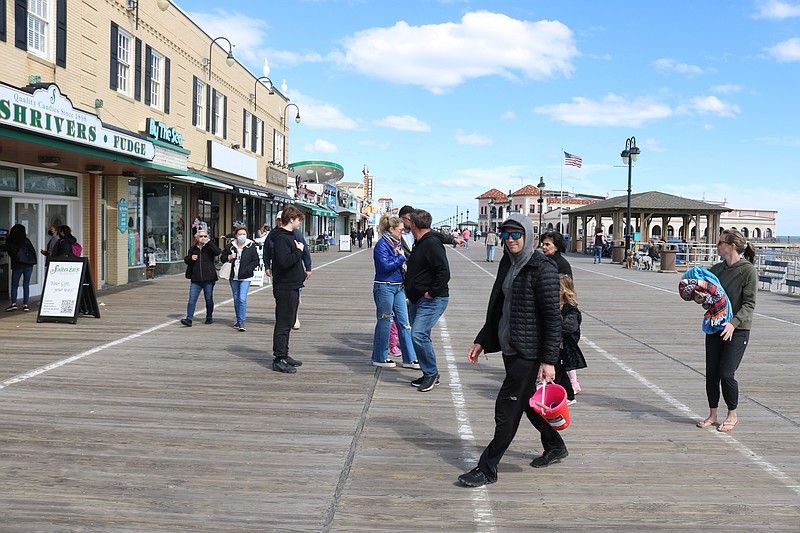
[{"x": 446, "y": 99}]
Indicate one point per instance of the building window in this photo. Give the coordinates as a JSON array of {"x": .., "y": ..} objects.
[
  {"x": 247, "y": 131},
  {"x": 124, "y": 54},
  {"x": 199, "y": 103},
  {"x": 277, "y": 147},
  {"x": 39, "y": 27},
  {"x": 156, "y": 79},
  {"x": 258, "y": 134},
  {"x": 217, "y": 110},
  {"x": 134, "y": 221}
]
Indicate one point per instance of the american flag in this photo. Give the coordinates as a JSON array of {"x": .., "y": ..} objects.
[{"x": 573, "y": 160}]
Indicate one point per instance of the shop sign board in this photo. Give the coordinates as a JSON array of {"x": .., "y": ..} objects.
[
  {"x": 48, "y": 112},
  {"x": 122, "y": 215},
  {"x": 162, "y": 132}
]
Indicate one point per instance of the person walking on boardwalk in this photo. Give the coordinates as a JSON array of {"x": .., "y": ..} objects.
[
  {"x": 599, "y": 244},
  {"x": 267, "y": 254},
  {"x": 202, "y": 273},
  {"x": 523, "y": 321},
  {"x": 370, "y": 235},
  {"x": 491, "y": 242},
  {"x": 427, "y": 276},
  {"x": 23, "y": 258},
  {"x": 390, "y": 297},
  {"x": 243, "y": 255},
  {"x": 288, "y": 276},
  {"x": 725, "y": 350}
]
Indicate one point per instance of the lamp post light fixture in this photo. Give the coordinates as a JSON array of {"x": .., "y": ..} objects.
[
  {"x": 629, "y": 155},
  {"x": 541, "y": 187},
  {"x": 467, "y": 216},
  {"x": 283, "y": 125},
  {"x": 255, "y": 92},
  {"x": 230, "y": 60}
]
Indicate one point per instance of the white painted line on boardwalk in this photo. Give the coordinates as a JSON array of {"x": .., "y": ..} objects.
[
  {"x": 77, "y": 357},
  {"x": 484, "y": 518},
  {"x": 766, "y": 466}
]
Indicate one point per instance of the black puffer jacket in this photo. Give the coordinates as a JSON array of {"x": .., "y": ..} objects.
[
  {"x": 203, "y": 268},
  {"x": 535, "y": 315}
]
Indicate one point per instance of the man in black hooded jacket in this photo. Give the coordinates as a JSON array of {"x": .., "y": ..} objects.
[{"x": 524, "y": 322}]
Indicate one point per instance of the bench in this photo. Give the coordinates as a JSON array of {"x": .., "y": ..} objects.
[
  {"x": 318, "y": 245},
  {"x": 792, "y": 284},
  {"x": 773, "y": 271}
]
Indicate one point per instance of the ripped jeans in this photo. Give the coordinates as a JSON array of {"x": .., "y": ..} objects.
[{"x": 390, "y": 303}]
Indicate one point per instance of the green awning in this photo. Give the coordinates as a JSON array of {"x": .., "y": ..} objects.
[{"x": 315, "y": 209}]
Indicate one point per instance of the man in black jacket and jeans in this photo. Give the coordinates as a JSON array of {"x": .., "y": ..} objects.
[
  {"x": 426, "y": 287},
  {"x": 524, "y": 322},
  {"x": 288, "y": 275}
]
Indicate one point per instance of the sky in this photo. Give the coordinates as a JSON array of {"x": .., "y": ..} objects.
[{"x": 446, "y": 99}]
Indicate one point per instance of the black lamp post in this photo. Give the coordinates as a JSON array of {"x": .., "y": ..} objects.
[
  {"x": 540, "y": 186},
  {"x": 629, "y": 155},
  {"x": 467, "y": 216},
  {"x": 230, "y": 60}
]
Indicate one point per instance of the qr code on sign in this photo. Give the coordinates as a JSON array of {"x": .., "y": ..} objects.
[{"x": 67, "y": 307}]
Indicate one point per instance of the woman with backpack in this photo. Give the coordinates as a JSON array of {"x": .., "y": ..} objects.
[
  {"x": 23, "y": 259},
  {"x": 68, "y": 244}
]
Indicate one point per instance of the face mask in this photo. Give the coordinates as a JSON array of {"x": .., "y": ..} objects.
[
  {"x": 241, "y": 238},
  {"x": 50, "y": 232}
]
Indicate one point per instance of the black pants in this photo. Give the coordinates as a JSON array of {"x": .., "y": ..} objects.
[
  {"x": 286, "y": 303},
  {"x": 562, "y": 378},
  {"x": 722, "y": 360},
  {"x": 511, "y": 403}
]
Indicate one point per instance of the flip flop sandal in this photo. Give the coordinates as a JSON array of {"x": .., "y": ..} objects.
[{"x": 727, "y": 426}]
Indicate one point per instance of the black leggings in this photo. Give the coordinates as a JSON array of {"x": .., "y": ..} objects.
[{"x": 722, "y": 360}]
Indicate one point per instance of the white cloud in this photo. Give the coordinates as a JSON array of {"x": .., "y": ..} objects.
[
  {"x": 785, "y": 51},
  {"x": 709, "y": 105},
  {"x": 508, "y": 115},
  {"x": 652, "y": 145},
  {"x": 472, "y": 139},
  {"x": 382, "y": 146},
  {"x": 442, "y": 56},
  {"x": 247, "y": 34},
  {"x": 316, "y": 114},
  {"x": 775, "y": 9},
  {"x": 666, "y": 64},
  {"x": 612, "y": 110},
  {"x": 321, "y": 146},
  {"x": 727, "y": 88},
  {"x": 403, "y": 123}
]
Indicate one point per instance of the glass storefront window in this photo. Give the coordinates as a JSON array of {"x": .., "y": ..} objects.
[
  {"x": 134, "y": 222},
  {"x": 156, "y": 218},
  {"x": 9, "y": 180},
  {"x": 49, "y": 183},
  {"x": 178, "y": 202}
]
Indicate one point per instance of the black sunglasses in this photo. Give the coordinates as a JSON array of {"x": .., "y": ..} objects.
[{"x": 516, "y": 235}]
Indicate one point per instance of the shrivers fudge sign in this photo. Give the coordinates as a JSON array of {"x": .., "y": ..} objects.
[{"x": 62, "y": 289}]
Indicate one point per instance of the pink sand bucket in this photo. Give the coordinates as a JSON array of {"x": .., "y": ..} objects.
[{"x": 551, "y": 402}]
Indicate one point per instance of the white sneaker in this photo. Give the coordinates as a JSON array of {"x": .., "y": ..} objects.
[
  {"x": 572, "y": 402},
  {"x": 412, "y": 364},
  {"x": 296, "y": 324},
  {"x": 385, "y": 364}
]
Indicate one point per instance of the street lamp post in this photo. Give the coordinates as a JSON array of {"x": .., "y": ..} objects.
[
  {"x": 255, "y": 92},
  {"x": 467, "y": 216},
  {"x": 230, "y": 60},
  {"x": 629, "y": 155},
  {"x": 283, "y": 124},
  {"x": 541, "y": 187}
]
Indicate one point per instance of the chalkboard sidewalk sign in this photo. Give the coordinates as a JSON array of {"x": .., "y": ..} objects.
[{"x": 68, "y": 291}]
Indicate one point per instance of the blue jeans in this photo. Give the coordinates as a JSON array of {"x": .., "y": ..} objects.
[
  {"x": 25, "y": 274},
  {"x": 239, "y": 287},
  {"x": 390, "y": 304},
  {"x": 424, "y": 314},
  {"x": 598, "y": 253},
  {"x": 490, "y": 253},
  {"x": 194, "y": 292}
]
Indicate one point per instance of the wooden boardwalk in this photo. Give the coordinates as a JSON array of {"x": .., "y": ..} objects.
[{"x": 133, "y": 423}]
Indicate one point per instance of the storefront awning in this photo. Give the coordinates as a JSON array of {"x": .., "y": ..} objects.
[
  {"x": 202, "y": 180},
  {"x": 315, "y": 209},
  {"x": 329, "y": 213},
  {"x": 251, "y": 190}
]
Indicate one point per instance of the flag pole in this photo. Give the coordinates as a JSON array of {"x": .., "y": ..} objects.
[{"x": 561, "y": 208}]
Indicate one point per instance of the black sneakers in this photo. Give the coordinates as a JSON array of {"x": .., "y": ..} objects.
[
  {"x": 417, "y": 382},
  {"x": 293, "y": 362},
  {"x": 12, "y": 307},
  {"x": 283, "y": 365},
  {"x": 428, "y": 383},
  {"x": 209, "y": 320},
  {"x": 26, "y": 308},
  {"x": 186, "y": 322},
  {"x": 475, "y": 478},
  {"x": 549, "y": 457}
]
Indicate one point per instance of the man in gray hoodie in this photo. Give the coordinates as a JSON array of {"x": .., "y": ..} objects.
[{"x": 523, "y": 321}]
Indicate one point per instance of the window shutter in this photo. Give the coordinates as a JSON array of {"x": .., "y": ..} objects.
[
  {"x": 114, "y": 64},
  {"x": 61, "y": 33},
  {"x": 224, "y": 117},
  {"x": 194, "y": 100},
  {"x": 263, "y": 134},
  {"x": 137, "y": 84},
  {"x": 208, "y": 107},
  {"x": 148, "y": 77},
  {"x": 166, "y": 86},
  {"x": 2, "y": 20},
  {"x": 21, "y": 24},
  {"x": 254, "y": 135},
  {"x": 244, "y": 129}
]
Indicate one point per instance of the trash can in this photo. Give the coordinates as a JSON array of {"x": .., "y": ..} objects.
[
  {"x": 617, "y": 251},
  {"x": 668, "y": 256}
]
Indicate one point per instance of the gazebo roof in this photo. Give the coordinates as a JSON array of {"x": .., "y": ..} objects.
[{"x": 651, "y": 201}]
